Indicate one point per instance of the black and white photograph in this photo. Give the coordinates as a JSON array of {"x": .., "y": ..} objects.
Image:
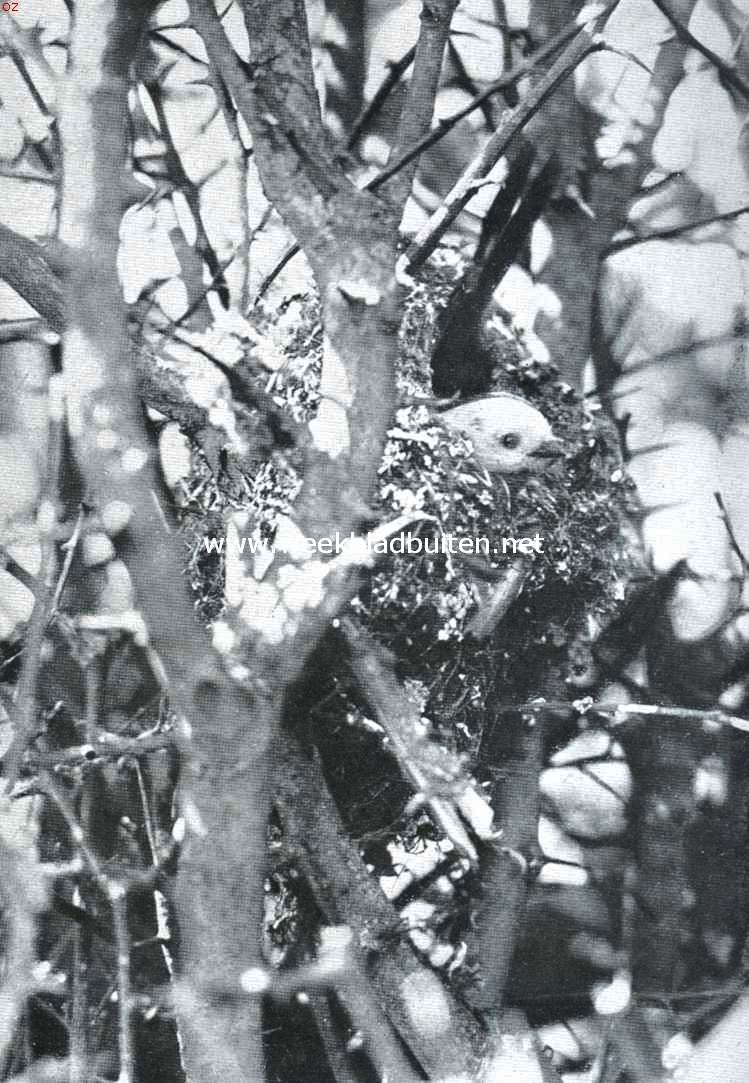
[{"x": 374, "y": 541}]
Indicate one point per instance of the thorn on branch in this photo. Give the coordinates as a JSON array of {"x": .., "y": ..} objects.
[{"x": 395, "y": 71}]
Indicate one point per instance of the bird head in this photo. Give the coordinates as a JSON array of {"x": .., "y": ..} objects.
[{"x": 508, "y": 434}]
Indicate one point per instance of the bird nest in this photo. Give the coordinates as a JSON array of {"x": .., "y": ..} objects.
[{"x": 421, "y": 606}]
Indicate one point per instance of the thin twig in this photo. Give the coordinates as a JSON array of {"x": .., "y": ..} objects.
[
  {"x": 191, "y": 193},
  {"x": 728, "y": 73},
  {"x": 20, "y": 64},
  {"x": 395, "y": 71},
  {"x": 118, "y": 901},
  {"x": 417, "y": 109},
  {"x": 78, "y": 1026},
  {"x": 50, "y": 786},
  {"x": 585, "y": 42},
  {"x": 286, "y": 257},
  {"x": 106, "y": 746},
  {"x": 217, "y": 282},
  {"x": 164, "y": 936},
  {"x": 465, "y": 82},
  {"x": 523, "y": 68},
  {"x": 674, "y": 231},
  {"x": 116, "y": 894},
  {"x": 708, "y": 717},
  {"x": 69, "y": 547},
  {"x": 159, "y": 35}
]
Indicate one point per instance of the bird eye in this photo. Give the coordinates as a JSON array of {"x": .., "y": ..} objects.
[{"x": 510, "y": 440}]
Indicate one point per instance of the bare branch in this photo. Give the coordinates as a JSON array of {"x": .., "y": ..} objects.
[
  {"x": 440, "y": 131},
  {"x": 190, "y": 191},
  {"x": 620, "y": 245},
  {"x": 10, "y": 565},
  {"x": 118, "y": 901},
  {"x": 739, "y": 552},
  {"x": 119, "y": 464},
  {"x": 345, "y": 892},
  {"x": 477, "y": 173},
  {"x": 394, "y": 74},
  {"x": 422, "y": 761},
  {"x": 503, "y": 83},
  {"x": 727, "y": 73},
  {"x": 621, "y": 712},
  {"x": 24, "y": 266},
  {"x": 416, "y": 115}
]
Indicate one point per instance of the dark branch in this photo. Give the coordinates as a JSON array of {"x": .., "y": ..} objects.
[{"x": 727, "y": 73}]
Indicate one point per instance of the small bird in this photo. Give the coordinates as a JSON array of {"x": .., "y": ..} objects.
[{"x": 508, "y": 434}]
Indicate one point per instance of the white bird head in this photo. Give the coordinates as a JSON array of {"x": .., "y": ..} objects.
[{"x": 508, "y": 434}]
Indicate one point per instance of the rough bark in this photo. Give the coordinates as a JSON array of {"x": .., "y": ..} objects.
[{"x": 118, "y": 463}]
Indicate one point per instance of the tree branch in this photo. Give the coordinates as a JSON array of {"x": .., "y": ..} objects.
[
  {"x": 24, "y": 267},
  {"x": 515, "y": 743},
  {"x": 515, "y": 120},
  {"x": 394, "y": 74},
  {"x": 220, "y": 883},
  {"x": 440, "y": 131},
  {"x": 727, "y": 73},
  {"x": 436, "y": 776},
  {"x": 345, "y": 892},
  {"x": 416, "y": 115},
  {"x": 503, "y": 83},
  {"x": 190, "y": 191}
]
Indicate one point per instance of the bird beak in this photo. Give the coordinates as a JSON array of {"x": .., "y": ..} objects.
[{"x": 551, "y": 449}]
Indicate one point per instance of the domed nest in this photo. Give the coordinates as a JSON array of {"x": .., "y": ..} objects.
[{"x": 421, "y": 605}]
